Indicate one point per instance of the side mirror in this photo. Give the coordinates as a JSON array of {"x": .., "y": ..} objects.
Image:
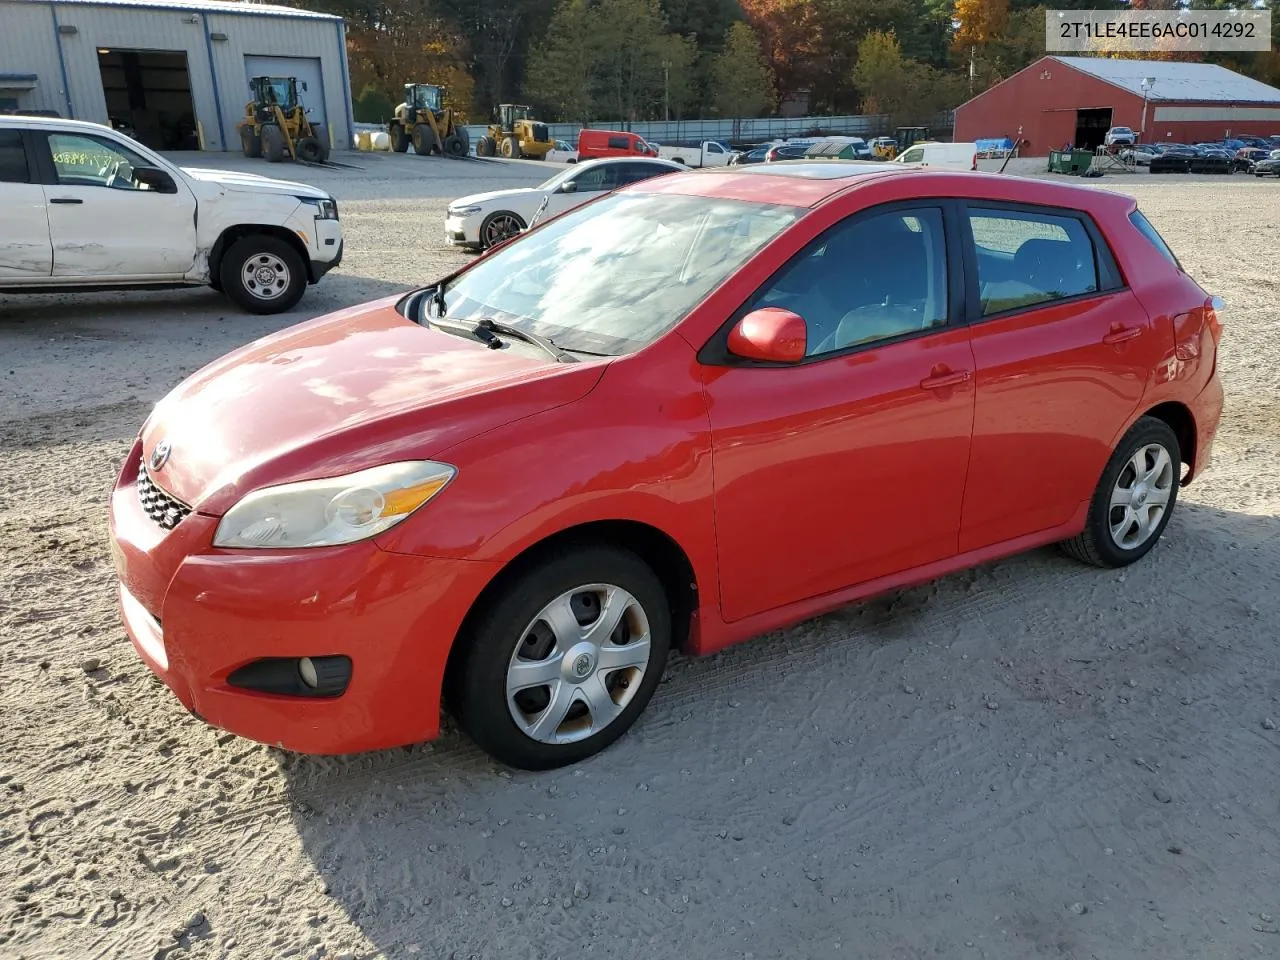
[
  {"x": 155, "y": 178},
  {"x": 770, "y": 334},
  {"x": 569, "y": 186}
]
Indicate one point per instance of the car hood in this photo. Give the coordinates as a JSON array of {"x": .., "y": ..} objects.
[
  {"x": 479, "y": 199},
  {"x": 341, "y": 393},
  {"x": 252, "y": 183}
]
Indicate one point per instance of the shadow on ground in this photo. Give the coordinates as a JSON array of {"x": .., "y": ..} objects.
[{"x": 1032, "y": 758}]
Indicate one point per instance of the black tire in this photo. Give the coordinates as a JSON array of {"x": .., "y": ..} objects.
[
  {"x": 511, "y": 148},
  {"x": 286, "y": 290},
  {"x": 310, "y": 149},
  {"x": 424, "y": 140},
  {"x": 273, "y": 148},
  {"x": 250, "y": 143},
  {"x": 1095, "y": 544},
  {"x": 478, "y": 685},
  {"x": 455, "y": 146},
  {"x": 489, "y": 221},
  {"x": 485, "y": 147},
  {"x": 399, "y": 139}
]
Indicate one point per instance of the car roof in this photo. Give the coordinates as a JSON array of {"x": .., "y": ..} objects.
[
  {"x": 808, "y": 183},
  {"x": 19, "y": 120}
]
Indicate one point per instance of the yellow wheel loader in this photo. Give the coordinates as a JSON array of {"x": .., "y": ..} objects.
[
  {"x": 276, "y": 125},
  {"x": 516, "y": 135},
  {"x": 424, "y": 121}
]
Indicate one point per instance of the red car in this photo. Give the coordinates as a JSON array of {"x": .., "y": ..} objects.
[{"x": 689, "y": 412}]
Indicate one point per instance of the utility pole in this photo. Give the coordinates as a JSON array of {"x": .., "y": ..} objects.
[
  {"x": 1147, "y": 84},
  {"x": 666, "y": 89},
  {"x": 971, "y": 70}
]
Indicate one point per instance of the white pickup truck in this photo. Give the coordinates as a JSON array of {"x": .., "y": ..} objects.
[
  {"x": 707, "y": 154},
  {"x": 83, "y": 207}
]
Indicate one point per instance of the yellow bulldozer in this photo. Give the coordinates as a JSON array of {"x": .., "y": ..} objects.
[
  {"x": 516, "y": 135},
  {"x": 276, "y": 125},
  {"x": 424, "y": 121}
]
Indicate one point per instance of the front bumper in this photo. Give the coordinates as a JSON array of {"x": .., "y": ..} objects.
[
  {"x": 462, "y": 231},
  {"x": 320, "y": 267},
  {"x": 195, "y": 614}
]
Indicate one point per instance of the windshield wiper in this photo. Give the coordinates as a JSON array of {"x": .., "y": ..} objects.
[{"x": 492, "y": 327}]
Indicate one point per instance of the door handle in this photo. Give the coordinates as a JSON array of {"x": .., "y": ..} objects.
[
  {"x": 65, "y": 200},
  {"x": 940, "y": 380},
  {"x": 1120, "y": 334}
]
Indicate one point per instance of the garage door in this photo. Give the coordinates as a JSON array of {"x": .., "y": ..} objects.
[{"x": 306, "y": 69}]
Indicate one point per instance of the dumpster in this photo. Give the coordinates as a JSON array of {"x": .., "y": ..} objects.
[{"x": 1074, "y": 162}]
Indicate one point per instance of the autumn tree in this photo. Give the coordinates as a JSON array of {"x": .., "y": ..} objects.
[
  {"x": 882, "y": 74},
  {"x": 741, "y": 79}
]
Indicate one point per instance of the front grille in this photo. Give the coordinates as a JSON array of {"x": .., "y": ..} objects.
[
  {"x": 165, "y": 510},
  {"x": 540, "y": 133}
]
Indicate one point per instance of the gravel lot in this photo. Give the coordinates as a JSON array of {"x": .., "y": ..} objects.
[{"x": 1030, "y": 759}]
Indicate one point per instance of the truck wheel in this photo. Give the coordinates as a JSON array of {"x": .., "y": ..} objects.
[
  {"x": 310, "y": 149},
  {"x": 424, "y": 141},
  {"x": 263, "y": 274},
  {"x": 272, "y": 142},
  {"x": 399, "y": 140},
  {"x": 454, "y": 146},
  {"x": 250, "y": 142},
  {"x": 511, "y": 148},
  {"x": 485, "y": 147}
]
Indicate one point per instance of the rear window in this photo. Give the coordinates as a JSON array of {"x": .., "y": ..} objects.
[
  {"x": 13, "y": 158},
  {"x": 1147, "y": 230}
]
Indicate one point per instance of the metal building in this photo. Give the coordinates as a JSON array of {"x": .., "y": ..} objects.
[
  {"x": 174, "y": 71},
  {"x": 1060, "y": 100}
]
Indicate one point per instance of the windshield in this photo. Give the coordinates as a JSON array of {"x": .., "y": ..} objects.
[{"x": 610, "y": 277}]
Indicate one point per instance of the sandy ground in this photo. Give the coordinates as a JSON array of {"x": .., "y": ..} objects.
[{"x": 1030, "y": 759}]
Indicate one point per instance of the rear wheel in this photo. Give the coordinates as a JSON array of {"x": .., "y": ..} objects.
[
  {"x": 424, "y": 140},
  {"x": 263, "y": 274},
  {"x": 485, "y": 147},
  {"x": 399, "y": 139},
  {"x": 1134, "y": 499},
  {"x": 564, "y": 659},
  {"x": 455, "y": 145},
  {"x": 273, "y": 147},
  {"x": 311, "y": 150},
  {"x": 250, "y": 142}
]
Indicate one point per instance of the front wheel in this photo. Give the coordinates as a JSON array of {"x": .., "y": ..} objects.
[
  {"x": 498, "y": 227},
  {"x": 263, "y": 274},
  {"x": 564, "y": 659},
  {"x": 1134, "y": 499},
  {"x": 399, "y": 139}
]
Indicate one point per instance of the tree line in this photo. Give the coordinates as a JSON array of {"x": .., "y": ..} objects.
[{"x": 624, "y": 60}]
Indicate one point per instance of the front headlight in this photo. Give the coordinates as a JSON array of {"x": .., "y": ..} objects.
[
  {"x": 326, "y": 208},
  {"x": 464, "y": 211},
  {"x": 336, "y": 510}
]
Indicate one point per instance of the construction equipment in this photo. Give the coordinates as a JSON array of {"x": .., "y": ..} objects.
[
  {"x": 424, "y": 121},
  {"x": 906, "y": 136},
  {"x": 516, "y": 135},
  {"x": 275, "y": 123},
  {"x": 884, "y": 148}
]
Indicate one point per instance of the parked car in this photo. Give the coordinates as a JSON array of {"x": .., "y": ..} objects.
[
  {"x": 1245, "y": 158},
  {"x": 1185, "y": 159},
  {"x": 788, "y": 150},
  {"x": 480, "y": 220},
  {"x": 840, "y": 148},
  {"x": 593, "y": 144},
  {"x": 1117, "y": 136},
  {"x": 84, "y": 206},
  {"x": 1269, "y": 167},
  {"x": 562, "y": 152},
  {"x": 1141, "y": 154},
  {"x": 708, "y": 153},
  {"x": 623, "y": 433},
  {"x": 947, "y": 156},
  {"x": 754, "y": 155}
]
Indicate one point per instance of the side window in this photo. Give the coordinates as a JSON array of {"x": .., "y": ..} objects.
[
  {"x": 635, "y": 172},
  {"x": 83, "y": 161},
  {"x": 596, "y": 178},
  {"x": 13, "y": 158},
  {"x": 1030, "y": 258},
  {"x": 914, "y": 155},
  {"x": 618, "y": 143},
  {"x": 714, "y": 147},
  {"x": 1147, "y": 230},
  {"x": 869, "y": 278}
]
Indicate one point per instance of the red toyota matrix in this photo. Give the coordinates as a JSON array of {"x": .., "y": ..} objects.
[{"x": 691, "y": 411}]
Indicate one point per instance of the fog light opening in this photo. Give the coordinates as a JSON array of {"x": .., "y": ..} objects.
[{"x": 307, "y": 672}]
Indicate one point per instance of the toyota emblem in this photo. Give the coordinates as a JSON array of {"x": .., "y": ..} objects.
[{"x": 160, "y": 455}]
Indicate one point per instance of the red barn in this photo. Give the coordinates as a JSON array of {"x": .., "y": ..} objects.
[{"x": 1060, "y": 100}]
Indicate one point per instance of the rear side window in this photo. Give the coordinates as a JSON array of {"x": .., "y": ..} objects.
[
  {"x": 13, "y": 158},
  {"x": 618, "y": 143},
  {"x": 1147, "y": 230},
  {"x": 1026, "y": 259}
]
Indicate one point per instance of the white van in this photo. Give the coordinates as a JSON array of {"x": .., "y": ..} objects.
[{"x": 948, "y": 156}]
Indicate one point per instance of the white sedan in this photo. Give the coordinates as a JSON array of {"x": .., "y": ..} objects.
[
  {"x": 562, "y": 152},
  {"x": 483, "y": 219}
]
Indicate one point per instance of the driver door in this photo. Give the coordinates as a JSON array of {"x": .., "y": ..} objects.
[{"x": 104, "y": 224}]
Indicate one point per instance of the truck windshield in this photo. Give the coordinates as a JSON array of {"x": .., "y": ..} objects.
[{"x": 611, "y": 276}]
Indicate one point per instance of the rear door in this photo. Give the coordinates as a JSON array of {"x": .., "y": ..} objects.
[
  {"x": 106, "y": 225},
  {"x": 1063, "y": 352},
  {"x": 26, "y": 253}
]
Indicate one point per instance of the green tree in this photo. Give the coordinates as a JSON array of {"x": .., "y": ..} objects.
[
  {"x": 562, "y": 67},
  {"x": 678, "y": 58},
  {"x": 741, "y": 78},
  {"x": 882, "y": 75},
  {"x": 372, "y": 106}
]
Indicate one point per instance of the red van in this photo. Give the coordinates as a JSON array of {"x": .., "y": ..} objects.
[{"x": 612, "y": 143}]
